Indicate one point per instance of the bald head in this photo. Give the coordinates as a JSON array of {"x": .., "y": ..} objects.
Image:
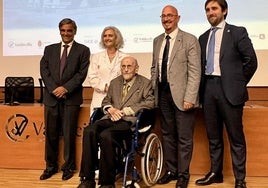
[
  {"x": 170, "y": 18},
  {"x": 171, "y": 8}
]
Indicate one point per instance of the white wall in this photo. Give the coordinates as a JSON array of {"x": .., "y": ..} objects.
[{"x": 29, "y": 65}]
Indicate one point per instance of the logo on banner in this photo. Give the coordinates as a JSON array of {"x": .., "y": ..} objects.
[{"x": 16, "y": 128}]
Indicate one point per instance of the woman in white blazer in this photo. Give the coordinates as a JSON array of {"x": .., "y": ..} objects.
[{"x": 105, "y": 65}]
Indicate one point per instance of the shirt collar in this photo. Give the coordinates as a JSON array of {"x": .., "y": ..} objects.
[
  {"x": 69, "y": 44},
  {"x": 131, "y": 82},
  {"x": 173, "y": 34},
  {"x": 221, "y": 25}
]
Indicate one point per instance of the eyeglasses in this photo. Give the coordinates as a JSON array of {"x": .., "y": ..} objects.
[
  {"x": 168, "y": 16},
  {"x": 66, "y": 30},
  {"x": 126, "y": 67}
]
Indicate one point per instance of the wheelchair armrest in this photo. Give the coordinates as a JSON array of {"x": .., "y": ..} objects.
[
  {"x": 146, "y": 119},
  {"x": 96, "y": 115}
]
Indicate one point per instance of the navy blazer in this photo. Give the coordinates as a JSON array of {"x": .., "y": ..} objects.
[
  {"x": 238, "y": 63},
  {"x": 73, "y": 76}
]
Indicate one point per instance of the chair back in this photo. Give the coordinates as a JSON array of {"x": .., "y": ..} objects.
[{"x": 19, "y": 89}]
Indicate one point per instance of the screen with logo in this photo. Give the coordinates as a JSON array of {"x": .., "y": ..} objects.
[{"x": 30, "y": 25}]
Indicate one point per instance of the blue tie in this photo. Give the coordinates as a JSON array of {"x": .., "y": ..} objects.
[{"x": 210, "y": 55}]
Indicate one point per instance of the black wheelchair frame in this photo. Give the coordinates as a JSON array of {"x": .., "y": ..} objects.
[{"x": 151, "y": 153}]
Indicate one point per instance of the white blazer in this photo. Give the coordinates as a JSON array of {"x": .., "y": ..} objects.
[{"x": 101, "y": 72}]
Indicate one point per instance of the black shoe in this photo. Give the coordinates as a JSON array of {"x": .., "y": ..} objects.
[
  {"x": 210, "y": 178},
  {"x": 240, "y": 184},
  {"x": 182, "y": 182},
  {"x": 67, "y": 174},
  {"x": 47, "y": 174},
  {"x": 87, "y": 184},
  {"x": 166, "y": 178}
]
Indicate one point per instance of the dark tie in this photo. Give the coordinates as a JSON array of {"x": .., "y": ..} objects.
[
  {"x": 63, "y": 58},
  {"x": 164, "y": 61},
  {"x": 210, "y": 55}
]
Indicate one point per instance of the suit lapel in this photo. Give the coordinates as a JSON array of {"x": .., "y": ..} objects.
[
  {"x": 70, "y": 56},
  {"x": 203, "y": 44},
  {"x": 177, "y": 45},
  {"x": 226, "y": 39},
  {"x": 72, "y": 51},
  {"x": 119, "y": 91},
  {"x": 57, "y": 50},
  {"x": 158, "y": 44},
  {"x": 132, "y": 90}
]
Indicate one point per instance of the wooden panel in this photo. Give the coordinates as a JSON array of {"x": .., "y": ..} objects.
[
  {"x": 256, "y": 94},
  {"x": 25, "y": 148},
  {"x": 255, "y": 126},
  {"x": 22, "y": 136}
]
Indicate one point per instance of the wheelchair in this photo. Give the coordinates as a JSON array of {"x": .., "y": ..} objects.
[{"x": 145, "y": 145}]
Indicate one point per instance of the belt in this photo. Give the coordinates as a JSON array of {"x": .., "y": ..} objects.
[{"x": 212, "y": 77}]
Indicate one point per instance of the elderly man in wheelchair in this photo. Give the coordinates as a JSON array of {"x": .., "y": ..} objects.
[{"x": 128, "y": 94}]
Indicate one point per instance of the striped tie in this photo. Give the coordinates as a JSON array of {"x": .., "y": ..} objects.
[
  {"x": 125, "y": 90},
  {"x": 63, "y": 58}
]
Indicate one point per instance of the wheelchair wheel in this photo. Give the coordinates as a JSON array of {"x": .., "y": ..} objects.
[
  {"x": 130, "y": 184},
  {"x": 152, "y": 161}
]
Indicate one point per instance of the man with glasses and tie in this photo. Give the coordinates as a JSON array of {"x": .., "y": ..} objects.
[
  {"x": 175, "y": 74},
  {"x": 63, "y": 69},
  {"x": 228, "y": 63}
]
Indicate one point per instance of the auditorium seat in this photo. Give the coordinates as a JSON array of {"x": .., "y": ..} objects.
[{"x": 19, "y": 90}]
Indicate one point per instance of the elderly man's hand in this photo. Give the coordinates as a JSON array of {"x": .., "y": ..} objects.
[{"x": 115, "y": 114}]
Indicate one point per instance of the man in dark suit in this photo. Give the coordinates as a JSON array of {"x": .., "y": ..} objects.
[
  {"x": 120, "y": 113},
  {"x": 62, "y": 97},
  {"x": 177, "y": 88},
  {"x": 223, "y": 91}
]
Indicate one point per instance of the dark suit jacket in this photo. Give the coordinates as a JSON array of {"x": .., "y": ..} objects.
[
  {"x": 140, "y": 96},
  {"x": 73, "y": 74},
  {"x": 238, "y": 63}
]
